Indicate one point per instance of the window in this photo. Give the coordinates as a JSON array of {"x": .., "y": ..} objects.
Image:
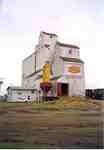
[
  {"x": 51, "y": 36},
  {"x": 32, "y": 91},
  {"x": 19, "y": 93},
  {"x": 47, "y": 45},
  {"x": 70, "y": 51}
]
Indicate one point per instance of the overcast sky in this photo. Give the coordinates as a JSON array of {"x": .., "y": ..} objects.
[{"x": 79, "y": 22}]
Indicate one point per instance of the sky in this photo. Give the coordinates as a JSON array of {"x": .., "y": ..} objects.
[{"x": 79, "y": 22}]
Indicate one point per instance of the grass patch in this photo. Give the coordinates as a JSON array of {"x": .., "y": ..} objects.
[
  {"x": 81, "y": 131},
  {"x": 24, "y": 146},
  {"x": 59, "y": 123},
  {"x": 79, "y": 103}
]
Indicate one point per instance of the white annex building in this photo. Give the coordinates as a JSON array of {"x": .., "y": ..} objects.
[
  {"x": 67, "y": 72},
  {"x": 19, "y": 94}
]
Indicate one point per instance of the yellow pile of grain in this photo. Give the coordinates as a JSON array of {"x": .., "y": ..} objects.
[{"x": 77, "y": 103}]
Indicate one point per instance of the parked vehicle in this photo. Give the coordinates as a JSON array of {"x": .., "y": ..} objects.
[{"x": 95, "y": 93}]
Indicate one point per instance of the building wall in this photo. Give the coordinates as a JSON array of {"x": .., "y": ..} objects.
[
  {"x": 32, "y": 81},
  {"x": 29, "y": 82},
  {"x": 57, "y": 65},
  {"x": 45, "y": 39},
  {"x": 28, "y": 66},
  {"x": 76, "y": 87},
  {"x": 76, "y": 81},
  {"x": 68, "y": 52},
  {"x": 44, "y": 49},
  {"x": 41, "y": 57}
]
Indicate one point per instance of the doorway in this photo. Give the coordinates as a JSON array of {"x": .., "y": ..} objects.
[{"x": 64, "y": 89}]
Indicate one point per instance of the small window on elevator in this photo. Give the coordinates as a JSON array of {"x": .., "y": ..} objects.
[
  {"x": 32, "y": 91},
  {"x": 70, "y": 51},
  {"x": 19, "y": 93},
  {"x": 51, "y": 36}
]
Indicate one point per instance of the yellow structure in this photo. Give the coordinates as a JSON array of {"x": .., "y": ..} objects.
[{"x": 46, "y": 72}]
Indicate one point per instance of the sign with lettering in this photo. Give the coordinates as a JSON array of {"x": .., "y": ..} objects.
[{"x": 73, "y": 69}]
